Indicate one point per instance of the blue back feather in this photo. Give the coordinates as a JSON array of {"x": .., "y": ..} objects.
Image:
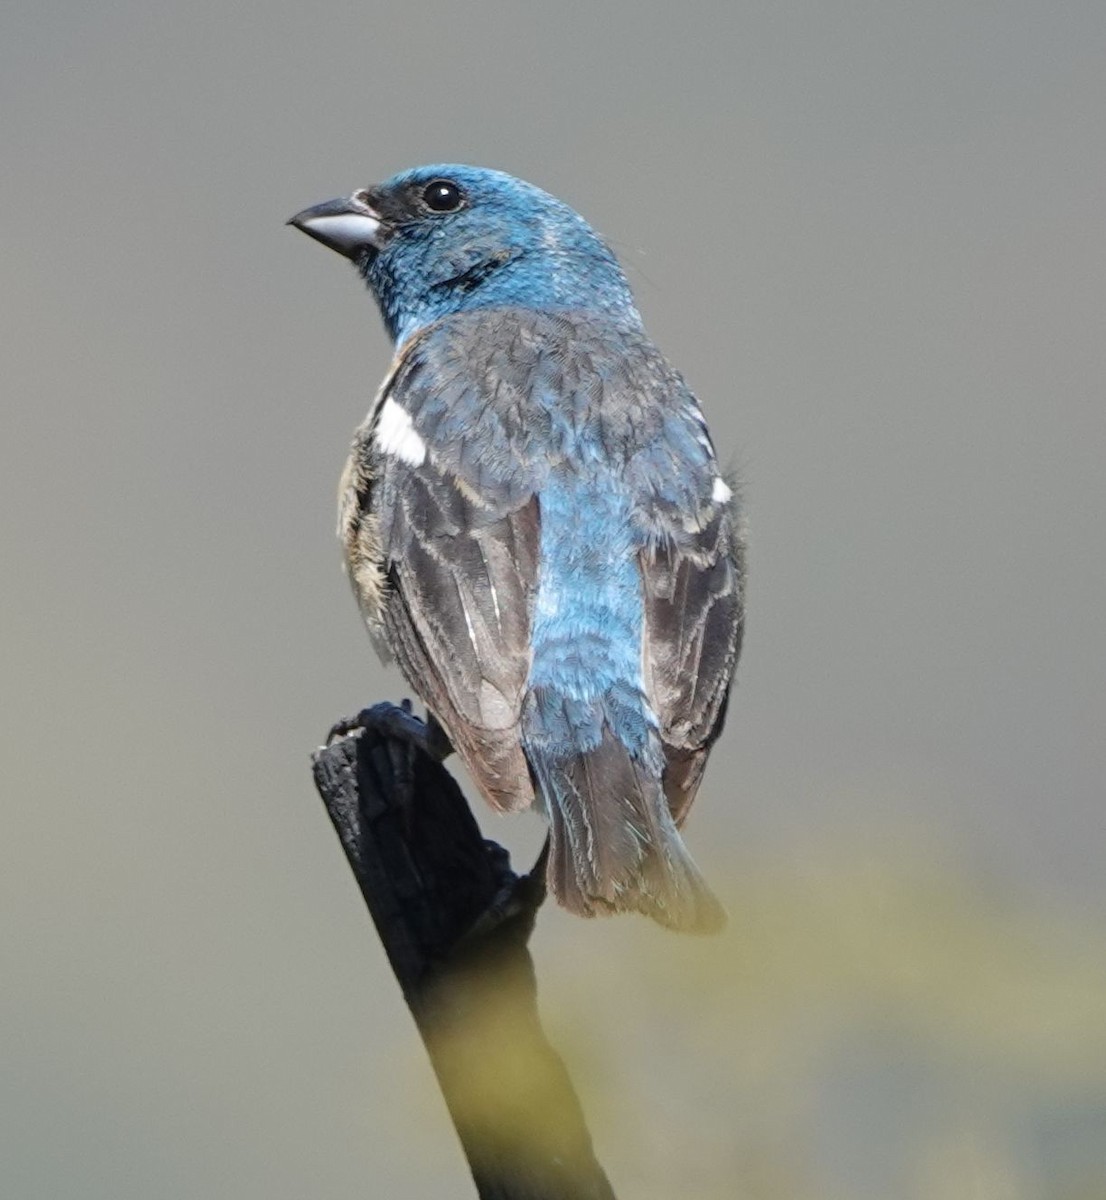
[{"x": 586, "y": 633}]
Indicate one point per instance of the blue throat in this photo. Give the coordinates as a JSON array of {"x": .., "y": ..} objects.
[{"x": 499, "y": 278}]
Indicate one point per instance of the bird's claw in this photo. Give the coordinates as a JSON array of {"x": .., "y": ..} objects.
[
  {"x": 397, "y": 721},
  {"x": 403, "y": 736},
  {"x": 518, "y": 896}
]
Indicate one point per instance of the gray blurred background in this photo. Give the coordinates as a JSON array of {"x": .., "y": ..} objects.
[{"x": 871, "y": 236}]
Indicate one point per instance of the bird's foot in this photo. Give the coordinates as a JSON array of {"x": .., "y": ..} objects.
[
  {"x": 404, "y": 737},
  {"x": 397, "y": 721},
  {"x": 519, "y": 897}
]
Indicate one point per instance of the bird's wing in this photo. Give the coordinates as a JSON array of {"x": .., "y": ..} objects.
[
  {"x": 457, "y": 520},
  {"x": 693, "y": 583}
]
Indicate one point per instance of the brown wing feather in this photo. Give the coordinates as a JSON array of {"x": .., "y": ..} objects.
[
  {"x": 693, "y": 588},
  {"x": 457, "y": 621}
]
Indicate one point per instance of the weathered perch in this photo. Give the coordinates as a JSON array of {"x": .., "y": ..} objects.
[{"x": 455, "y": 921}]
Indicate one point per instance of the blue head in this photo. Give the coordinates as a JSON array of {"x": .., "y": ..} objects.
[{"x": 446, "y": 239}]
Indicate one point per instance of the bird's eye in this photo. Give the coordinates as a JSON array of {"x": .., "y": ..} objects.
[{"x": 442, "y": 196}]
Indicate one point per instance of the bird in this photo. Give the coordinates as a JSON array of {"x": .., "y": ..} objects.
[{"x": 537, "y": 529}]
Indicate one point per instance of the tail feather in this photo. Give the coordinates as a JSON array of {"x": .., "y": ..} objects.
[{"x": 614, "y": 846}]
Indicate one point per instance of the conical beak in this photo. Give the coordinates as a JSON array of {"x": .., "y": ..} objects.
[{"x": 349, "y": 226}]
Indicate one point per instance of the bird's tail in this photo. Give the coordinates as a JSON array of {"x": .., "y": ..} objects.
[{"x": 613, "y": 844}]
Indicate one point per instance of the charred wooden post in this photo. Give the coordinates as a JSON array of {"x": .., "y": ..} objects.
[{"x": 455, "y": 921}]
